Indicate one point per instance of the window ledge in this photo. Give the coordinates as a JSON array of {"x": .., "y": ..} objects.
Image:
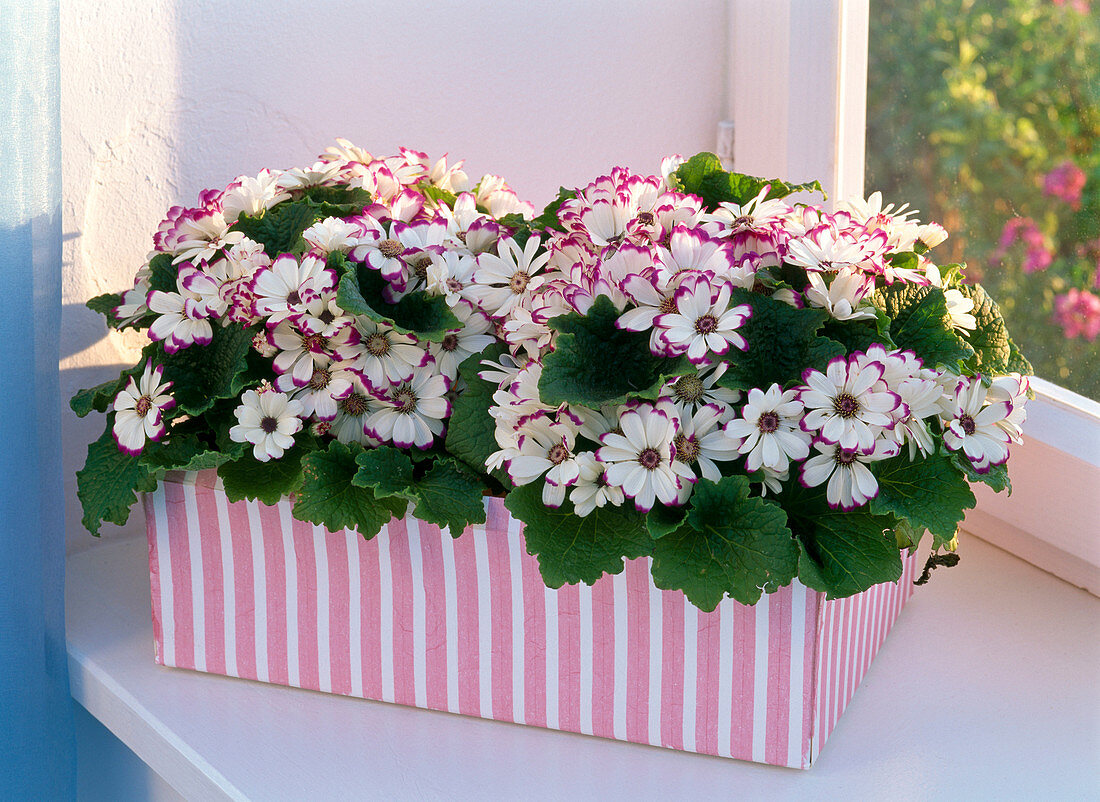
[{"x": 1023, "y": 659}]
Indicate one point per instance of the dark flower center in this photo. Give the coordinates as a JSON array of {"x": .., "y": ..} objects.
[
  {"x": 326, "y": 316},
  {"x": 687, "y": 448},
  {"x": 649, "y": 459},
  {"x": 744, "y": 221},
  {"x": 706, "y": 324},
  {"x": 269, "y": 424},
  {"x": 519, "y": 282},
  {"x": 967, "y": 423},
  {"x": 404, "y": 399},
  {"x": 143, "y": 405},
  {"x": 846, "y": 405},
  {"x": 768, "y": 422},
  {"x": 450, "y": 342},
  {"x": 378, "y": 344},
  {"x": 420, "y": 267},
  {"x": 462, "y": 237},
  {"x": 688, "y": 388},
  {"x": 391, "y": 248},
  {"x": 320, "y": 379},
  {"x": 354, "y": 405},
  {"x": 558, "y": 453},
  {"x": 293, "y": 299},
  {"x": 845, "y": 456},
  {"x": 668, "y": 305},
  {"x": 645, "y": 218},
  {"x": 314, "y": 343},
  {"x": 454, "y": 285}
]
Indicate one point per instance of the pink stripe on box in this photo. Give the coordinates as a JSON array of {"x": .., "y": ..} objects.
[
  {"x": 500, "y": 606},
  {"x": 435, "y": 618},
  {"x": 415, "y": 617},
  {"x": 339, "y": 613}
]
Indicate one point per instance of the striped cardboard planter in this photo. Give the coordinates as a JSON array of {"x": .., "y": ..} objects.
[{"x": 467, "y": 626}]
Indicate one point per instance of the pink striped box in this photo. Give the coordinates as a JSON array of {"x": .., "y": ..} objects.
[{"x": 467, "y": 626}]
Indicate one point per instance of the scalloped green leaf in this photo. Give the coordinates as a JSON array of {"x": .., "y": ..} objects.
[
  {"x": 163, "y": 274},
  {"x": 266, "y": 482},
  {"x": 782, "y": 343},
  {"x": 993, "y": 350},
  {"x": 202, "y": 374},
  {"x": 449, "y": 495},
  {"x": 105, "y": 305},
  {"x": 921, "y": 323},
  {"x": 572, "y": 549},
  {"x": 996, "y": 477},
  {"x": 279, "y": 229},
  {"x": 186, "y": 452},
  {"x": 107, "y": 483},
  {"x": 929, "y": 493},
  {"x": 846, "y": 553},
  {"x": 328, "y": 497},
  {"x": 387, "y": 470},
  {"x": 426, "y": 317},
  {"x": 731, "y": 544},
  {"x": 595, "y": 363},
  {"x": 704, "y": 176}
]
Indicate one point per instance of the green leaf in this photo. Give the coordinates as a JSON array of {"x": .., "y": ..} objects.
[
  {"x": 595, "y": 363},
  {"x": 108, "y": 481},
  {"x": 1017, "y": 362},
  {"x": 328, "y": 497},
  {"x": 732, "y": 544},
  {"x": 549, "y": 216},
  {"x": 450, "y": 496},
  {"x": 105, "y": 305},
  {"x": 203, "y": 373},
  {"x": 930, "y": 493},
  {"x": 572, "y": 549},
  {"x": 906, "y": 535},
  {"x": 387, "y": 470},
  {"x": 266, "y": 482},
  {"x": 336, "y": 201},
  {"x": 922, "y": 324},
  {"x": 439, "y": 196},
  {"x": 992, "y": 347},
  {"x": 427, "y": 317},
  {"x": 845, "y": 553},
  {"x": 279, "y": 229},
  {"x": 662, "y": 520},
  {"x": 782, "y": 344},
  {"x": 186, "y": 452},
  {"x": 996, "y": 477},
  {"x": 471, "y": 429},
  {"x": 163, "y": 273},
  {"x": 859, "y": 335},
  {"x": 703, "y": 175}
]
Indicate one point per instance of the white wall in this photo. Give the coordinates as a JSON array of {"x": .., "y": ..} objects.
[{"x": 161, "y": 99}]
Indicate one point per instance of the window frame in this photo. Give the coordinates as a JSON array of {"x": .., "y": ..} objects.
[{"x": 788, "y": 124}]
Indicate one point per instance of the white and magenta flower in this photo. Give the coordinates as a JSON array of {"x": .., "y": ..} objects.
[
  {"x": 472, "y": 338},
  {"x": 384, "y": 356},
  {"x": 768, "y": 431},
  {"x": 546, "y": 447},
  {"x": 591, "y": 489},
  {"x": 283, "y": 287},
  {"x": 843, "y": 405},
  {"x": 182, "y": 318},
  {"x": 139, "y": 410},
  {"x": 842, "y": 295},
  {"x": 501, "y": 281},
  {"x": 641, "y": 460},
  {"x": 412, "y": 412},
  {"x": 975, "y": 427},
  {"x": 269, "y": 420},
  {"x": 703, "y": 323},
  {"x": 332, "y": 234},
  {"x": 851, "y": 483}
]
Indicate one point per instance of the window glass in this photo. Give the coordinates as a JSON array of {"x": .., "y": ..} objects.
[{"x": 985, "y": 116}]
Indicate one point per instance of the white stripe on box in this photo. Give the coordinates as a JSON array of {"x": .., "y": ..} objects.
[
  {"x": 290, "y": 564},
  {"x": 324, "y": 640},
  {"x": 419, "y": 622},
  {"x": 198, "y": 588},
  {"x": 385, "y": 605},
  {"x": 618, "y": 584},
  {"x": 259, "y": 590},
  {"x": 798, "y": 672},
  {"x": 552, "y": 709},
  {"x": 691, "y": 672},
  {"x": 656, "y": 656},
  {"x": 725, "y": 679},
  {"x": 229, "y": 584},
  {"x": 519, "y": 622},
  {"x": 586, "y": 700},
  {"x": 164, "y": 568},
  {"x": 355, "y": 610},
  {"x": 450, "y": 605},
  {"x": 484, "y": 623},
  {"x": 760, "y": 681}
]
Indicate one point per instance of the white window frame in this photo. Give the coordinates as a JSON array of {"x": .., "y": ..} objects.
[{"x": 797, "y": 100}]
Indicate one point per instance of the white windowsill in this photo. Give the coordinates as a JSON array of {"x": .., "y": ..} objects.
[{"x": 987, "y": 687}]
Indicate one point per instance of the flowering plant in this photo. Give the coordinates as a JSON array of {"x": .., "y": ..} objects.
[
  {"x": 746, "y": 389},
  {"x": 306, "y": 330}
]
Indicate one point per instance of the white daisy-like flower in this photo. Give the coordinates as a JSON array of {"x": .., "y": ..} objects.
[
  {"x": 319, "y": 175},
  {"x": 269, "y": 420},
  {"x": 450, "y": 274},
  {"x": 495, "y": 196},
  {"x": 699, "y": 442},
  {"x": 772, "y": 480},
  {"x": 332, "y": 234},
  {"x": 974, "y": 426},
  {"x": 139, "y": 410},
  {"x": 841, "y": 296},
  {"x": 383, "y": 356},
  {"x": 252, "y": 196},
  {"x": 692, "y": 249},
  {"x": 640, "y": 460},
  {"x": 472, "y": 338},
  {"x": 300, "y": 353},
  {"x": 545, "y": 447},
  {"x": 768, "y": 432},
  {"x": 283, "y": 287},
  {"x": 694, "y": 391},
  {"x": 134, "y": 304},
  {"x": 321, "y": 314},
  {"x": 1012, "y": 388},
  {"x": 843, "y": 406},
  {"x": 182, "y": 318},
  {"x": 501, "y": 281},
  {"x": 352, "y": 413},
  {"x": 703, "y": 323},
  {"x": 823, "y": 248},
  {"x": 201, "y": 234},
  {"x": 468, "y": 228},
  {"x": 591, "y": 489},
  {"x": 412, "y": 412},
  {"x": 326, "y": 388},
  {"x": 851, "y": 483},
  {"x": 959, "y": 308}
]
